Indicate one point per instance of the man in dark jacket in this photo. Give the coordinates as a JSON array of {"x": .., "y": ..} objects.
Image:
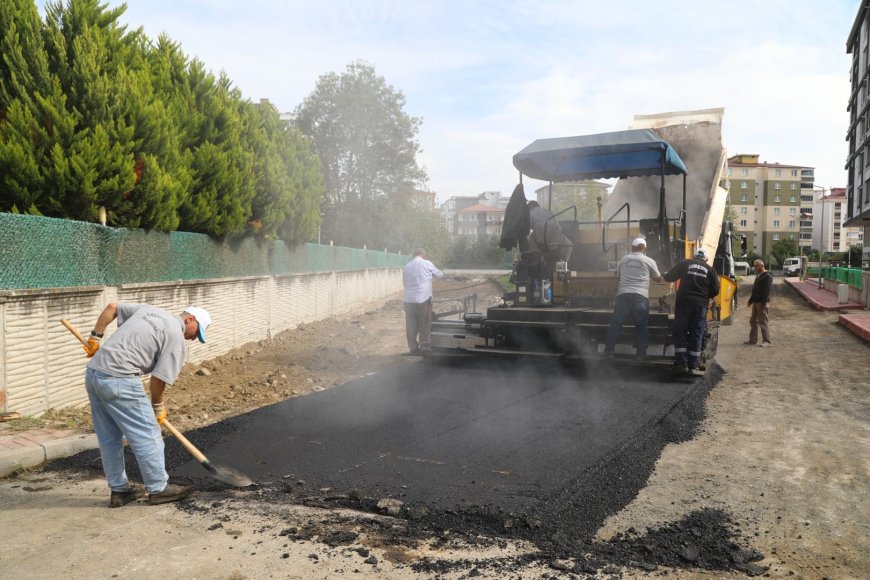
[
  {"x": 758, "y": 301},
  {"x": 699, "y": 283}
]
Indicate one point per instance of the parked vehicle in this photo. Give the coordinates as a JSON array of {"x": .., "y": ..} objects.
[{"x": 793, "y": 266}]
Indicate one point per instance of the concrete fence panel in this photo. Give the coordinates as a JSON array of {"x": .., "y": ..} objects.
[{"x": 43, "y": 364}]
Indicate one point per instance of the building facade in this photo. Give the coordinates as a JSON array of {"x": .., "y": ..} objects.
[
  {"x": 829, "y": 229},
  {"x": 857, "y": 202},
  {"x": 459, "y": 222},
  {"x": 772, "y": 201},
  {"x": 480, "y": 220}
]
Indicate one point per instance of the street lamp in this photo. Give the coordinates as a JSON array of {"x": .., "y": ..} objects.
[{"x": 821, "y": 234}]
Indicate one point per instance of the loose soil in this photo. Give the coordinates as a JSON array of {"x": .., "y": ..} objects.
[{"x": 773, "y": 481}]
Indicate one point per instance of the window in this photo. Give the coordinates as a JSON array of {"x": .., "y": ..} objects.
[
  {"x": 777, "y": 199},
  {"x": 793, "y": 185},
  {"x": 792, "y": 224},
  {"x": 729, "y": 172},
  {"x": 744, "y": 171},
  {"x": 792, "y": 199},
  {"x": 794, "y": 172},
  {"x": 775, "y": 237},
  {"x": 743, "y": 210},
  {"x": 743, "y": 197},
  {"x": 776, "y": 211},
  {"x": 742, "y": 223},
  {"x": 777, "y": 172},
  {"x": 776, "y": 224},
  {"x": 743, "y": 185},
  {"x": 777, "y": 185}
]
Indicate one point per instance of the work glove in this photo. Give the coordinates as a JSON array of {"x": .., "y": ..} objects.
[
  {"x": 92, "y": 346},
  {"x": 159, "y": 412}
]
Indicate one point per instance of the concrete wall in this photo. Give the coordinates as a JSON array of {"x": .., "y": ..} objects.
[
  {"x": 856, "y": 294},
  {"x": 42, "y": 365}
]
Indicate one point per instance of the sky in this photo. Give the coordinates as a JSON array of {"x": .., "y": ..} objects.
[{"x": 489, "y": 77}]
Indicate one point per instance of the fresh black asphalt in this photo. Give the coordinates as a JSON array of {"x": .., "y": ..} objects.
[
  {"x": 483, "y": 448},
  {"x": 506, "y": 436}
]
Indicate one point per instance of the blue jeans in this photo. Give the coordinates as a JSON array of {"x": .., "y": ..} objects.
[
  {"x": 121, "y": 409},
  {"x": 632, "y": 307},
  {"x": 689, "y": 324}
]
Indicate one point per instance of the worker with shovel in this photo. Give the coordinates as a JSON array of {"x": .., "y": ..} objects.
[{"x": 148, "y": 340}]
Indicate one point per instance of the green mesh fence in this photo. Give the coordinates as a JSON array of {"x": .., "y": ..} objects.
[
  {"x": 848, "y": 276},
  {"x": 38, "y": 252}
]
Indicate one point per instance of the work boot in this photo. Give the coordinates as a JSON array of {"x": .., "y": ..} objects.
[
  {"x": 696, "y": 372},
  {"x": 169, "y": 494},
  {"x": 122, "y": 498},
  {"x": 679, "y": 370},
  {"x": 765, "y": 344}
]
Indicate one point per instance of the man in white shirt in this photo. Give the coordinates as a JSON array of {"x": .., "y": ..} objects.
[
  {"x": 632, "y": 296},
  {"x": 417, "y": 278}
]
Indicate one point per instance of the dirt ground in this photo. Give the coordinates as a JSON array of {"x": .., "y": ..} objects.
[
  {"x": 309, "y": 358},
  {"x": 784, "y": 451}
]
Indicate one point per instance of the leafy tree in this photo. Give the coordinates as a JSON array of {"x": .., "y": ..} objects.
[
  {"x": 417, "y": 227},
  {"x": 730, "y": 213},
  {"x": 855, "y": 255},
  {"x": 367, "y": 147},
  {"x": 477, "y": 252},
  {"x": 94, "y": 61},
  {"x": 288, "y": 184},
  {"x": 582, "y": 195},
  {"x": 30, "y": 104},
  {"x": 93, "y": 115},
  {"x": 784, "y": 248}
]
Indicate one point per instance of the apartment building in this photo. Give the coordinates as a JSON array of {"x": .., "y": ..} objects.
[
  {"x": 830, "y": 231},
  {"x": 857, "y": 203},
  {"x": 460, "y": 222},
  {"x": 480, "y": 220},
  {"x": 773, "y": 201}
]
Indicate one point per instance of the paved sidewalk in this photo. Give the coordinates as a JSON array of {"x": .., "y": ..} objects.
[
  {"x": 22, "y": 449},
  {"x": 819, "y": 298},
  {"x": 853, "y": 316}
]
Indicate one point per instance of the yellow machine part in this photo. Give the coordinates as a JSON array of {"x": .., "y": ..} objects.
[{"x": 727, "y": 290}]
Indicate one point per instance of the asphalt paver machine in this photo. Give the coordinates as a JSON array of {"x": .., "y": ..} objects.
[{"x": 670, "y": 170}]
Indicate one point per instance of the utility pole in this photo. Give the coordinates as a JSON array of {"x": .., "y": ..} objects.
[{"x": 822, "y": 237}]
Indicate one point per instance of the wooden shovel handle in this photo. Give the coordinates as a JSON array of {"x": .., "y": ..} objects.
[
  {"x": 72, "y": 329},
  {"x": 187, "y": 444}
]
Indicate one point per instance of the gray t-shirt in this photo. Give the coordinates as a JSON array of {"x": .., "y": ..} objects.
[
  {"x": 635, "y": 271},
  {"x": 149, "y": 340}
]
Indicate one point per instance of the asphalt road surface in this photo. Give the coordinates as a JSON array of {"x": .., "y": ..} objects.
[{"x": 474, "y": 441}]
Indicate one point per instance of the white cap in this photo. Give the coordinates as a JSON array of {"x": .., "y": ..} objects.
[
  {"x": 638, "y": 242},
  {"x": 203, "y": 319},
  {"x": 700, "y": 253}
]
